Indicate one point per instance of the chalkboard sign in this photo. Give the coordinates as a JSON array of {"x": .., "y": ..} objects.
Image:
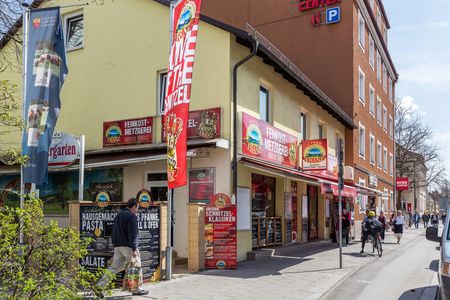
[
  {"x": 97, "y": 223},
  {"x": 288, "y": 230},
  {"x": 255, "y": 222},
  {"x": 278, "y": 231}
]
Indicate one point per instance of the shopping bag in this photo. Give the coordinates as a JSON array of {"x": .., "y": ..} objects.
[{"x": 132, "y": 276}]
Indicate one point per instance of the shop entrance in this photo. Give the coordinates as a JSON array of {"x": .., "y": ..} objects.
[{"x": 313, "y": 216}]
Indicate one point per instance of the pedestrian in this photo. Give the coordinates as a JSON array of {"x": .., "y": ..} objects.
[
  {"x": 407, "y": 219},
  {"x": 382, "y": 220},
  {"x": 443, "y": 217},
  {"x": 125, "y": 239},
  {"x": 416, "y": 219},
  {"x": 434, "y": 219},
  {"x": 425, "y": 219},
  {"x": 399, "y": 221}
]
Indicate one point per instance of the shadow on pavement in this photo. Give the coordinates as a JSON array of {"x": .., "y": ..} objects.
[{"x": 423, "y": 293}]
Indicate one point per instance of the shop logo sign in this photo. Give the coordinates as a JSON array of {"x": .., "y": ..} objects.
[
  {"x": 37, "y": 22},
  {"x": 103, "y": 198},
  {"x": 144, "y": 198},
  {"x": 315, "y": 155},
  {"x": 113, "y": 134},
  {"x": 254, "y": 139},
  {"x": 221, "y": 264},
  {"x": 64, "y": 150},
  {"x": 186, "y": 17}
]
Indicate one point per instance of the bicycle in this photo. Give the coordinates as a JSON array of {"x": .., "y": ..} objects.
[{"x": 375, "y": 240}]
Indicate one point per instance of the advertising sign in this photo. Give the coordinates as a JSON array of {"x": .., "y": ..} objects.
[
  {"x": 306, "y": 5},
  {"x": 220, "y": 233},
  {"x": 402, "y": 184},
  {"x": 373, "y": 180},
  {"x": 202, "y": 124},
  {"x": 64, "y": 150},
  {"x": 97, "y": 223},
  {"x": 201, "y": 185},
  {"x": 45, "y": 73},
  {"x": 178, "y": 95},
  {"x": 314, "y": 155},
  {"x": 266, "y": 142},
  {"x": 128, "y": 132}
]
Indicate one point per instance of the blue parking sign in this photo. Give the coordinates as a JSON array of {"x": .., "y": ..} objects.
[{"x": 333, "y": 15}]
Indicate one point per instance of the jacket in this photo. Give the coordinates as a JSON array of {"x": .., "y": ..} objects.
[{"x": 125, "y": 230}]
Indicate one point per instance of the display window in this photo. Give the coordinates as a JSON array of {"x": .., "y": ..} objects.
[{"x": 263, "y": 196}]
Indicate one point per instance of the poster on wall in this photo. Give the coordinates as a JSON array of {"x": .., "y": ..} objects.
[
  {"x": 97, "y": 223},
  {"x": 220, "y": 233},
  {"x": 128, "y": 132},
  {"x": 314, "y": 155},
  {"x": 201, "y": 185},
  {"x": 288, "y": 205}
]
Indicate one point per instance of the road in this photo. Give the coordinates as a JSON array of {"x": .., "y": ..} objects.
[{"x": 408, "y": 272}]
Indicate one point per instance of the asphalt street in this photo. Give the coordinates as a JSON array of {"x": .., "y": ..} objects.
[{"x": 408, "y": 272}]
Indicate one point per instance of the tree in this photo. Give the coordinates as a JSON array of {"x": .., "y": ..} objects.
[
  {"x": 45, "y": 265},
  {"x": 415, "y": 151}
]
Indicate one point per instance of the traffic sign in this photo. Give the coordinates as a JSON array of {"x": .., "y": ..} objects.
[{"x": 333, "y": 15}]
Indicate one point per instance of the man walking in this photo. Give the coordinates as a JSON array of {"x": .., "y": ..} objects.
[
  {"x": 125, "y": 239},
  {"x": 416, "y": 219},
  {"x": 425, "y": 219}
]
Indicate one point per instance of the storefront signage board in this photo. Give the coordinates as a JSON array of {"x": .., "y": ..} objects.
[
  {"x": 202, "y": 124},
  {"x": 315, "y": 155},
  {"x": 128, "y": 132},
  {"x": 97, "y": 223},
  {"x": 402, "y": 183},
  {"x": 201, "y": 185},
  {"x": 266, "y": 142},
  {"x": 220, "y": 234},
  {"x": 64, "y": 150},
  {"x": 306, "y": 5}
]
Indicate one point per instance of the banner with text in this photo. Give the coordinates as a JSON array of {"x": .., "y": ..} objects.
[
  {"x": 45, "y": 73},
  {"x": 128, "y": 132},
  {"x": 178, "y": 95},
  {"x": 402, "y": 183},
  {"x": 266, "y": 142}
]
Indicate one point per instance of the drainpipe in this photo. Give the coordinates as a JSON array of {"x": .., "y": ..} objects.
[{"x": 234, "y": 161}]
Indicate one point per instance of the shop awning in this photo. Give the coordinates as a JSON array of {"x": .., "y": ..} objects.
[
  {"x": 328, "y": 187},
  {"x": 277, "y": 170},
  {"x": 370, "y": 191}
]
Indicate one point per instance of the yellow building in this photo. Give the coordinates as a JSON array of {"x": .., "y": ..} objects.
[{"x": 117, "y": 58}]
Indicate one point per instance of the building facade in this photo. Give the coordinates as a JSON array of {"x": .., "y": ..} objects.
[{"x": 117, "y": 58}]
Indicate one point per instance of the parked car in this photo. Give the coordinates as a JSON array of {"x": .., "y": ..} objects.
[{"x": 444, "y": 264}]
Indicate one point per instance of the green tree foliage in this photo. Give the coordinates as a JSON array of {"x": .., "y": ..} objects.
[{"x": 45, "y": 265}]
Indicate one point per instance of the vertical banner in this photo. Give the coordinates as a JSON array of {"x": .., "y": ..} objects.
[
  {"x": 179, "y": 79},
  {"x": 45, "y": 73}
]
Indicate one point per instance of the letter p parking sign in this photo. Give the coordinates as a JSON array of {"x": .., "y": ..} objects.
[{"x": 333, "y": 15}]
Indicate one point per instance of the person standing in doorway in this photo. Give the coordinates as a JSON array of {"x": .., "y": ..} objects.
[
  {"x": 125, "y": 239},
  {"x": 399, "y": 221},
  {"x": 416, "y": 219},
  {"x": 382, "y": 220}
]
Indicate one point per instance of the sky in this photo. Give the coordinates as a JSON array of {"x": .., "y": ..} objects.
[{"x": 419, "y": 44}]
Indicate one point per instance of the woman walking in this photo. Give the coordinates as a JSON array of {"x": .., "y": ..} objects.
[
  {"x": 399, "y": 221},
  {"x": 382, "y": 220}
]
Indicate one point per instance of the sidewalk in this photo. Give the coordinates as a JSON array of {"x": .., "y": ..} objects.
[{"x": 302, "y": 271}]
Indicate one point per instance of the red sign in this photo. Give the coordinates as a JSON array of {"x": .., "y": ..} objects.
[
  {"x": 179, "y": 79},
  {"x": 201, "y": 185},
  {"x": 266, "y": 142},
  {"x": 203, "y": 124},
  {"x": 402, "y": 184},
  {"x": 220, "y": 234},
  {"x": 127, "y": 132},
  {"x": 314, "y": 155},
  {"x": 313, "y": 4}
]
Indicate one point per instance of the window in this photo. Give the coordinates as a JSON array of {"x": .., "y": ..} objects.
[
  {"x": 162, "y": 85},
  {"x": 371, "y": 4},
  {"x": 371, "y": 100},
  {"x": 379, "y": 18},
  {"x": 303, "y": 126},
  {"x": 362, "y": 141},
  {"x": 379, "y": 110},
  {"x": 157, "y": 185},
  {"x": 362, "y": 201},
  {"x": 391, "y": 164},
  {"x": 391, "y": 127},
  {"x": 361, "y": 31},
  {"x": 384, "y": 118},
  {"x": 390, "y": 88},
  {"x": 320, "y": 131},
  {"x": 264, "y": 104},
  {"x": 378, "y": 65},
  {"x": 371, "y": 51},
  {"x": 384, "y": 78},
  {"x": 372, "y": 149},
  {"x": 385, "y": 158},
  {"x": 379, "y": 158},
  {"x": 385, "y": 35},
  {"x": 74, "y": 32},
  {"x": 361, "y": 84}
]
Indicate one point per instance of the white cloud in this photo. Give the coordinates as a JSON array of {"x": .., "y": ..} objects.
[
  {"x": 408, "y": 102},
  {"x": 431, "y": 73},
  {"x": 425, "y": 26}
]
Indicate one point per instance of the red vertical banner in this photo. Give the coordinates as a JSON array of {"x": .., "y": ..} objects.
[
  {"x": 220, "y": 233},
  {"x": 179, "y": 79}
]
